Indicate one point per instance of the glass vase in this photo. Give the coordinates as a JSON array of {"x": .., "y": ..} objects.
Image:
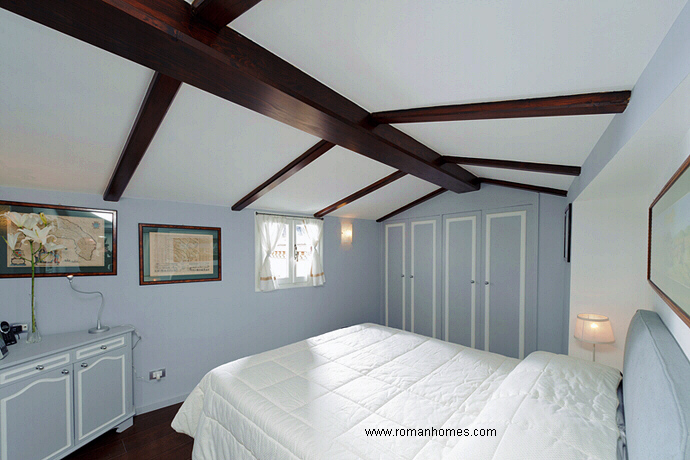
[{"x": 33, "y": 335}]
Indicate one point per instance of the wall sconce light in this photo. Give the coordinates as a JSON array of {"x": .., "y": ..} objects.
[{"x": 346, "y": 233}]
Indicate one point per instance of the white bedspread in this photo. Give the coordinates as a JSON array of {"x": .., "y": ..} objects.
[
  {"x": 549, "y": 407},
  {"x": 314, "y": 400}
]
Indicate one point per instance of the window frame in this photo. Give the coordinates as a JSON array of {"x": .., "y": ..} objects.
[{"x": 291, "y": 281}]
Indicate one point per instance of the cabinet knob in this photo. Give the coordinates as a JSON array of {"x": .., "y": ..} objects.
[
  {"x": 486, "y": 282},
  {"x": 65, "y": 372},
  {"x": 84, "y": 365},
  {"x": 472, "y": 282},
  {"x": 411, "y": 276},
  {"x": 39, "y": 368},
  {"x": 402, "y": 276},
  {"x": 104, "y": 347}
]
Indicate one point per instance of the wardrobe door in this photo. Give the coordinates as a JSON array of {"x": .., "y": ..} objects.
[
  {"x": 461, "y": 248},
  {"x": 423, "y": 259},
  {"x": 504, "y": 282},
  {"x": 395, "y": 275}
]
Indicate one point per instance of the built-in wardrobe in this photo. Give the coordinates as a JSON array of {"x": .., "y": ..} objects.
[{"x": 468, "y": 278}]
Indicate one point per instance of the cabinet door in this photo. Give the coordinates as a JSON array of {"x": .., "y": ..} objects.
[
  {"x": 101, "y": 388},
  {"x": 504, "y": 289},
  {"x": 395, "y": 275},
  {"x": 36, "y": 417},
  {"x": 461, "y": 247},
  {"x": 423, "y": 277}
]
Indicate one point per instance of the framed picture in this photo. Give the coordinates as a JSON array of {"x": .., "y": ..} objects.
[
  {"x": 90, "y": 237},
  {"x": 668, "y": 254},
  {"x": 567, "y": 230},
  {"x": 178, "y": 254}
]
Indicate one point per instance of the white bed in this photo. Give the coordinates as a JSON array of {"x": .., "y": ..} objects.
[{"x": 314, "y": 400}]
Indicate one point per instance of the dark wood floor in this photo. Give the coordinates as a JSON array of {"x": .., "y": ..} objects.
[{"x": 151, "y": 438}]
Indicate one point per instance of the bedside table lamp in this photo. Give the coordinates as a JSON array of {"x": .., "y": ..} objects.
[{"x": 594, "y": 329}]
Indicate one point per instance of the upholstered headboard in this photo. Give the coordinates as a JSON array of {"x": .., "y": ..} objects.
[{"x": 656, "y": 391}]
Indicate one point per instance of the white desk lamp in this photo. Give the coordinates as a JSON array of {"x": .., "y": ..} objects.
[
  {"x": 99, "y": 327},
  {"x": 594, "y": 329}
]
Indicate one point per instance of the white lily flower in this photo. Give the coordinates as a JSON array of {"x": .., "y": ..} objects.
[
  {"x": 12, "y": 240},
  {"x": 37, "y": 235},
  {"x": 32, "y": 221},
  {"x": 22, "y": 220},
  {"x": 50, "y": 247}
]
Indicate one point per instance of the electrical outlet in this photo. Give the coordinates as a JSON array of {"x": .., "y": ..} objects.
[{"x": 157, "y": 374}]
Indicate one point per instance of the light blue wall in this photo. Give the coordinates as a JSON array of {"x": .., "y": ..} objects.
[
  {"x": 551, "y": 284},
  {"x": 667, "y": 69},
  {"x": 191, "y": 328}
]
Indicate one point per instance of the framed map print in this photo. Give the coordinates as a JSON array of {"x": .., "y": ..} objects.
[
  {"x": 90, "y": 237},
  {"x": 178, "y": 254},
  {"x": 668, "y": 262}
]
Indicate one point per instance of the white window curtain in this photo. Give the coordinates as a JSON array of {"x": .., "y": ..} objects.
[
  {"x": 269, "y": 228},
  {"x": 314, "y": 229}
]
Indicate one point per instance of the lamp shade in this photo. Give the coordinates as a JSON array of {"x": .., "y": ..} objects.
[{"x": 593, "y": 328}]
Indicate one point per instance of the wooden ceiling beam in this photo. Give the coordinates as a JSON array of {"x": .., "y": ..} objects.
[
  {"x": 520, "y": 186},
  {"x": 165, "y": 35},
  {"x": 284, "y": 174},
  {"x": 413, "y": 204},
  {"x": 517, "y": 165},
  {"x": 360, "y": 193},
  {"x": 220, "y": 13},
  {"x": 159, "y": 97},
  {"x": 578, "y": 104}
]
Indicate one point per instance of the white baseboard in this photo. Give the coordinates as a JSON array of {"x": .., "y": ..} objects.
[{"x": 160, "y": 404}]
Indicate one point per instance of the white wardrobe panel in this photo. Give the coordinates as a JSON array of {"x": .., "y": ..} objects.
[
  {"x": 505, "y": 282},
  {"x": 423, "y": 277},
  {"x": 395, "y": 275},
  {"x": 461, "y": 248}
]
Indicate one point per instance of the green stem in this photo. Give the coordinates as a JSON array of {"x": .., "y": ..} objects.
[{"x": 33, "y": 271}]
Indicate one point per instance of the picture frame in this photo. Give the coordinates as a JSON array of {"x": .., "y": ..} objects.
[
  {"x": 179, "y": 254},
  {"x": 668, "y": 243},
  {"x": 567, "y": 231},
  {"x": 89, "y": 234}
]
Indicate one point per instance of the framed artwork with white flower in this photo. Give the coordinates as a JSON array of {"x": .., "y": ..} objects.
[{"x": 61, "y": 240}]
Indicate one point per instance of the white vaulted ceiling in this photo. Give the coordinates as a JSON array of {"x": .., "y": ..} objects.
[{"x": 66, "y": 107}]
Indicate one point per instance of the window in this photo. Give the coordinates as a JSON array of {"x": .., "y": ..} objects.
[{"x": 295, "y": 258}]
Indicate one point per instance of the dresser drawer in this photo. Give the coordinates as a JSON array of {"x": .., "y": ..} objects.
[
  {"x": 100, "y": 347},
  {"x": 34, "y": 368}
]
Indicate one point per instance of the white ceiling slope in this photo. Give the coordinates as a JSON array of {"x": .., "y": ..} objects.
[
  {"x": 66, "y": 108},
  {"x": 208, "y": 150},
  {"x": 394, "y": 54},
  {"x": 333, "y": 176},
  {"x": 387, "y": 199}
]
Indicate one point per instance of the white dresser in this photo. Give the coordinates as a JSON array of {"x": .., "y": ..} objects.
[{"x": 57, "y": 395}]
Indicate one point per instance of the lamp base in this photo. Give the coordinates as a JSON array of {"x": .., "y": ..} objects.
[{"x": 98, "y": 330}]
